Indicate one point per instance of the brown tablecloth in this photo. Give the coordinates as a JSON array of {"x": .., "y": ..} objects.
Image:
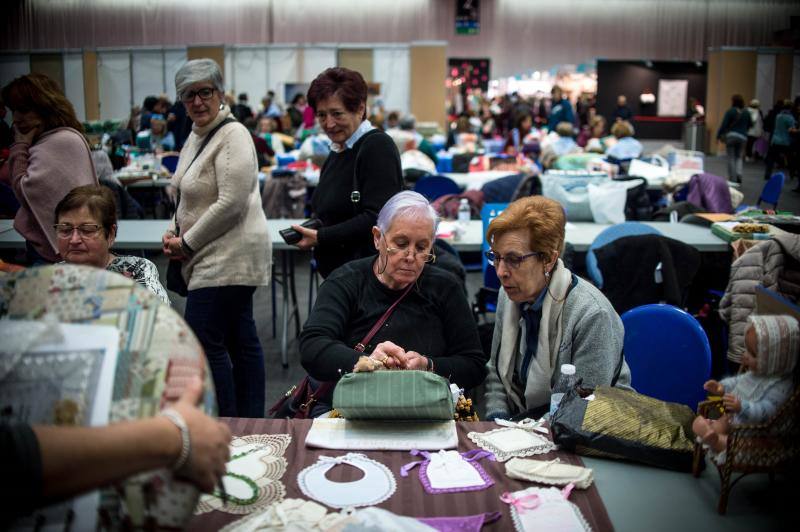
[{"x": 410, "y": 499}]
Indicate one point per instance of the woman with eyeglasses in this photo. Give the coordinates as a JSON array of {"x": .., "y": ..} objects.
[
  {"x": 220, "y": 235},
  {"x": 360, "y": 174},
  {"x": 49, "y": 158},
  {"x": 432, "y": 327},
  {"x": 546, "y": 315},
  {"x": 85, "y": 228}
]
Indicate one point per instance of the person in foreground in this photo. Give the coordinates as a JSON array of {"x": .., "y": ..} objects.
[
  {"x": 49, "y": 158},
  {"x": 432, "y": 328},
  {"x": 49, "y": 463},
  {"x": 361, "y": 172},
  {"x": 772, "y": 345},
  {"x": 86, "y": 226},
  {"x": 546, "y": 315},
  {"x": 220, "y": 235}
]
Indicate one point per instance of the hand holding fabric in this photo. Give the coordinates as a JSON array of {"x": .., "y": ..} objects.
[{"x": 413, "y": 360}]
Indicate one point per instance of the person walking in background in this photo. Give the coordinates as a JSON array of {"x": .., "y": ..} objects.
[
  {"x": 561, "y": 110},
  {"x": 223, "y": 240},
  {"x": 781, "y": 139},
  {"x": 756, "y": 126},
  {"x": 733, "y": 132},
  {"x": 622, "y": 113}
]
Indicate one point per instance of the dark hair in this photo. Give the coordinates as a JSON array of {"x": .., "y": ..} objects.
[
  {"x": 149, "y": 103},
  {"x": 737, "y": 101},
  {"x": 521, "y": 118},
  {"x": 297, "y": 97},
  {"x": 347, "y": 84},
  {"x": 40, "y": 94},
  {"x": 98, "y": 199}
]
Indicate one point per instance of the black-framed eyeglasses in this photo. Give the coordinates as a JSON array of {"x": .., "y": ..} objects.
[
  {"x": 204, "y": 93},
  {"x": 65, "y": 231},
  {"x": 512, "y": 260}
]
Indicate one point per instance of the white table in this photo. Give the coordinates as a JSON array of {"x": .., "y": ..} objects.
[
  {"x": 146, "y": 234},
  {"x": 476, "y": 180}
]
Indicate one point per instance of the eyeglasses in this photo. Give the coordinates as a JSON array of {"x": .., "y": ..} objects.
[
  {"x": 512, "y": 261},
  {"x": 205, "y": 94},
  {"x": 84, "y": 230},
  {"x": 406, "y": 251}
]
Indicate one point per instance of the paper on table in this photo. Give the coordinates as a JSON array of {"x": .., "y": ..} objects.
[{"x": 342, "y": 434}]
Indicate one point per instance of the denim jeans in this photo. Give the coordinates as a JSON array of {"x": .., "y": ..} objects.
[
  {"x": 222, "y": 319},
  {"x": 734, "y": 147}
]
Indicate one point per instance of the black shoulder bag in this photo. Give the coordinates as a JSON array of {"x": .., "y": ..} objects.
[{"x": 175, "y": 280}]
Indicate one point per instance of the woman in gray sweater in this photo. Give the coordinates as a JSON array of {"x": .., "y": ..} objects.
[{"x": 546, "y": 315}]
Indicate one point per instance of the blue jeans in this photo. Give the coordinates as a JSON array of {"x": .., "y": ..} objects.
[{"x": 222, "y": 319}]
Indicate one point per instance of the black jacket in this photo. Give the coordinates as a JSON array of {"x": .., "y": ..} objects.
[{"x": 629, "y": 272}]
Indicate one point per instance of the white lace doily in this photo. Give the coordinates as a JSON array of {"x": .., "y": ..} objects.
[
  {"x": 253, "y": 475},
  {"x": 377, "y": 484},
  {"x": 509, "y": 442}
]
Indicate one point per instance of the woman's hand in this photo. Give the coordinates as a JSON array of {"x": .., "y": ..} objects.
[
  {"x": 714, "y": 387},
  {"x": 731, "y": 403},
  {"x": 209, "y": 440},
  {"x": 172, "y": 247},
  {"x": 389, "y": 354},
  {"x": 309, "y": 239},
  {"x": 28, "y": 136},
  {"x": 414, "y": 360}
]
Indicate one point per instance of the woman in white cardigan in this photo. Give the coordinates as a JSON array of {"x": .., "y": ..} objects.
[
  {"x": 546, "y": 315},
  {"x": 223, "y": 240}
]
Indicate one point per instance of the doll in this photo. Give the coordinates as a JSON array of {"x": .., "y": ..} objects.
[{"x": 753, "y": 396}]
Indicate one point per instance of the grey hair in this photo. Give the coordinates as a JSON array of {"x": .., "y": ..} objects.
[
  {"x": 407, "y": 203},
  {"x": 198, "y": 70},
  {"x": 407, "y": 122}
]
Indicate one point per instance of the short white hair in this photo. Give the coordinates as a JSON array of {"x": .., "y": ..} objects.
[
  {"x": 195, "y": 71},
  {"x": 407, "y": 203}
]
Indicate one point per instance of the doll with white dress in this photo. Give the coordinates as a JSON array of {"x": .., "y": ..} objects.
[{"x": 772, "y": 344}]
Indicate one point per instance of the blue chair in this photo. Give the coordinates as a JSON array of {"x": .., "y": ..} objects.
[
  {"x": 772, "y": 190},
  {"x": 170, "y": 162},
  {"x": 668, "y": 353},
  {"x": 606, "y": 237},
  {"x": 487, "y": 295},
  {"x": 444, "y": 162},
  {"x": 436, "y": 186}
]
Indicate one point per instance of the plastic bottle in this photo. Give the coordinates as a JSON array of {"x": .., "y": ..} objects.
[
  {"x": 566, "y": 381},
  {"x": 464, "y": 213}
]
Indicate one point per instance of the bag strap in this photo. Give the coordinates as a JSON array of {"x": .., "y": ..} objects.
[
  {"x": 196, "y": 155},
  {"x": 360, "y": 346}
]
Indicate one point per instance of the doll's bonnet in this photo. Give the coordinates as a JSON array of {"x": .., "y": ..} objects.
[{"x": 777, "y": 342}]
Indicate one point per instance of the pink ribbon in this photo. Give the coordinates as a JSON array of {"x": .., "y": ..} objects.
[{"x": 522, "y": 504}]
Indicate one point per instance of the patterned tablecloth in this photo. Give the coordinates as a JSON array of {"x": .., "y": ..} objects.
[
  {"x": 410, "y": 499},
  {"x": 157, "y": 354}
]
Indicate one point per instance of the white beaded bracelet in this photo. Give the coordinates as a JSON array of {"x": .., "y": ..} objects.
[{"x": 186, "y": 444}]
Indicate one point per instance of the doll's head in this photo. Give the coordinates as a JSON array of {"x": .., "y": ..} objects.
[{"x": 771, "y": 344}]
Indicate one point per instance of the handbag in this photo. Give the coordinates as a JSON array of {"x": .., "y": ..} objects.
[
  {"x": 175, "y": 280},
  {"x": 394, "y": 395},
  {"x": 300, "y": 399},
  {"x": 623, "y": 424}
]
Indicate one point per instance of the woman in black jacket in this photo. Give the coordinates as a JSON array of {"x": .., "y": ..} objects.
[{"x": 361, "y": 173}]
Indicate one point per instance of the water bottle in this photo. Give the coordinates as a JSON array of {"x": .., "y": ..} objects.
[
  {"x": 566, "y": 381},
  {"x": 464, "y": 213}
]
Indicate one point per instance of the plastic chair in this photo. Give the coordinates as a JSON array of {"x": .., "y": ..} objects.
[
  {"x": 170, "y": 161},
  {"x": 606, "y": 237},
  {"x": 436, "y": 186},
  {"x": 772, "y": 190},
  {"x": 487, "y": 294},
  {"x": 668, "y": 353}
]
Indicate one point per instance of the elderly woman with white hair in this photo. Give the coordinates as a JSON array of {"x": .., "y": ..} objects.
[
  {"x": 431, "y": 328},
  {"x": 220, "y": 234}
]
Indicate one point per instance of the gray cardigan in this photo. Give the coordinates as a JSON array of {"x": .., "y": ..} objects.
[{"x": 591, "y": 339}]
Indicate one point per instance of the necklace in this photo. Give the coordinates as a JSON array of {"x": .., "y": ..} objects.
[{"x": 238, "y": 500}]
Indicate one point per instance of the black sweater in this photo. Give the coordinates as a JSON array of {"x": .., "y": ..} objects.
[
  {"x": 434, "y": 319},
  {"x": 346, "y": 232}
]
